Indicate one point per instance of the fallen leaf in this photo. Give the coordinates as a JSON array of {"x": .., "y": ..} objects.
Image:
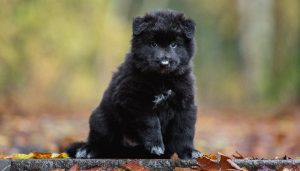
[
  {"x": 208, "y": 164},
  {"x": 35, "y": 155},
  {"x": 97, "y": 168},
  {"x": 60, "y": 155},
  {"x": 75, "y": 167},
  {"x": 134, "y": 166},
  {"x": 183, "y": 169},
  {"x": 195, "y": 168},
  {"x": 54, "y": 155},
  {"x": 38, "y": 155},
  {"x": 214, "y": 163},
  {"x": 226, "y": 163},
  {"x": 21, "y": 156}
]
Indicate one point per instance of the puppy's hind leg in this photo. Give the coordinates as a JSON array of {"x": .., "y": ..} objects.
[
  {"x": 99, "y": 138},
  {"x": 80, "y": 150},
  {"x": 72, "y": 149}
]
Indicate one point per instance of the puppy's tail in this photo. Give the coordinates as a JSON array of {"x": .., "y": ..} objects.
[{"x": 72, "y": 149}]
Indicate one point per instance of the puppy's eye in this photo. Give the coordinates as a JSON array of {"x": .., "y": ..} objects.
[
  {"x": 153, "y": 44},
  {"x": 173, "y": 45}
]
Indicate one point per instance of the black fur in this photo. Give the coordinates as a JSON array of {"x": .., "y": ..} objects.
[{"x": 148, "y": 110}]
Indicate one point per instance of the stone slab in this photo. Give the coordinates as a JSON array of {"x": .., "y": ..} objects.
[{"x": 153, "y": 164}]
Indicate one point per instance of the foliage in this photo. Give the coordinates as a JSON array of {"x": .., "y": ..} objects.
[
  {"x": 36, "y": 155},
  {"x": 63, "y": 51}
]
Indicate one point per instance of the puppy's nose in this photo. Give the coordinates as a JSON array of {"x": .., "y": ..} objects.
[{"x": 164, "y": 62}]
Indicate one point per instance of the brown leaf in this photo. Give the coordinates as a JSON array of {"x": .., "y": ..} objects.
[
  {"x": 211, "y": 163},
  {"x": 196, "y": 168},
  {"x": 226, "y": 163},
  {"x": 75, "y": 167},
  {"x": 183, "y": 169},
  {"x": 134, "y": 166},
  {"x": 208, "y": 164},
  {"x": 96, "y": 168}
]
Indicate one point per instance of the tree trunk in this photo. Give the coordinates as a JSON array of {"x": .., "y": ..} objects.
[{"x": 256, "y": 32}]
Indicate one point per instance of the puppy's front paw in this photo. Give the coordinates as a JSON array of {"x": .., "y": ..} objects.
[
  {"x": 196, "y": 154},
  {"x": 157, "y": 150},
  {"x": 190, "y": 154}
]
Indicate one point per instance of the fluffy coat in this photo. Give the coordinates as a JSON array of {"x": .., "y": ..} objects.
[{"x": 148, "y": 110}]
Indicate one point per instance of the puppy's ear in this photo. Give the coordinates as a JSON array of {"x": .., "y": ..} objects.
[
  {"x": 139, "y": 24},
  {"x": 188, "y": 27}
]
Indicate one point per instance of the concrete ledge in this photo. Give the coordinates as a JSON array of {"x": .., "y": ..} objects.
[
  {"x": 272, "y": 164},
  {"x": 153, "y": 164},
  {"x": 45, "y": 164},
  {"x": 5, "y": 165}
]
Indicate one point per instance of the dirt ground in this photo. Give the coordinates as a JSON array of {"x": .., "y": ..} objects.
[{"x": 218, "y": 130}]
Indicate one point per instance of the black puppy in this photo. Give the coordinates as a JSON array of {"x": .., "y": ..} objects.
[{"x": 148, "y": 110}]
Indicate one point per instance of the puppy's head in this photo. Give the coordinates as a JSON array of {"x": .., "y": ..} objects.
[{"x": 163, "y": 42}]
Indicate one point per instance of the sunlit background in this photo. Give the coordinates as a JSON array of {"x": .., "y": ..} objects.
[{"x": 57, "y": 58}]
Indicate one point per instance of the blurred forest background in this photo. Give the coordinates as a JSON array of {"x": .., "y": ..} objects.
[{"x": 57, "y": 58}]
